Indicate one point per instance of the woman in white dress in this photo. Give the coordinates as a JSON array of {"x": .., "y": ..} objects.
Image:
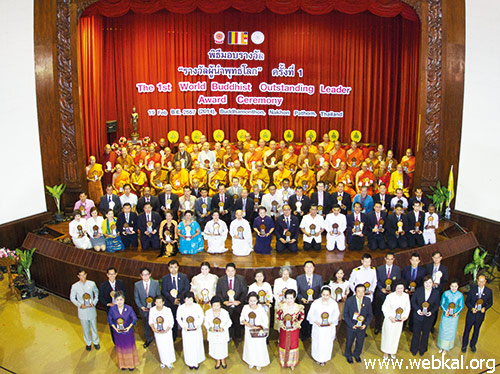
[
  {"x": 340, "y": 289},
  {"x": 263, "y": 290},
  {"x": 281, "y": 285},
  {"x": 217, "y": 323},
  {"x": 161, "y": 321},
  {"x": 78, "y": 231},
  {"x": 94, "y": 230},
  {"x": 190, "y": 319},
  {"x": 241, "y": 235},
  {"x": 396, "y": 309},
  {"x": 323, "y": 316},
  {"x": 215, "y": 234},
  {"x": 203, "y": 285},
  {"x": 254, "y": 317}
]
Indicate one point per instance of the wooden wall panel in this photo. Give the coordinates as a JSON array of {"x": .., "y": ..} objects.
[
  {"x": 486, "y": 231},
  {"x": 14, "y": 233}
]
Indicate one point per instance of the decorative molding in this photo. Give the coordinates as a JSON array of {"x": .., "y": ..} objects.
[
  {"x": 81, "y": 5},
  {"x": 416, "y": 5}
]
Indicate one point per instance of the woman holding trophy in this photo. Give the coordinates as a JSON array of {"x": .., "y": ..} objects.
[
  {"x": 168, "y": 235},
  {"x": 189, "y": 232},
  {"x": 190, "y": 319},
  {"x": 113, "y": 241},
  {"x": 94, "y": 229},
  {"x": 204, "y": 285},
  {"x": 217, "y": 323},
  {"x": 161, "y": 321},
  {"x": 215, "y": 234},
  {"x": 452, "y": 303}
]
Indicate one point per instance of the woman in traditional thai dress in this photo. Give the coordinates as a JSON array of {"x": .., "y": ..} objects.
[
  {"x": 323, "y": 316},
  {"x": 217, "y": 323},
  {"x": 94, "y": 230},
  {"x": 113, "y": 241},
  {"x": 215, "y": 234},
  {"x": 189, "y": 231},
  {"x": 452, "y": 303},
  {"x": 161, "y": 321},
  {"x": 78, "y": 231},
  {"x": 290, "y": 317},
  {"x": 168, "y": 235},
  {"x": 122, "y": 319},
  {"x": 263, "y": 225},
  {"x": 190, "y": 319}
]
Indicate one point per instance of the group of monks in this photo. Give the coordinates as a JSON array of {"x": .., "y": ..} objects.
[{"x": 150, "y": 164}]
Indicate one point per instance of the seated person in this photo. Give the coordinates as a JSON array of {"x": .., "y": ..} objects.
[
  {"x": 383, "y": 198},
  {"x": 158, "y": 179},
  {"x": 327, "y": 176},
  {"x": 202, "y": 208},
  {"x": 382, "y": 175},
  {"x": 306, "y": 179},
  {"x": 84, "y": 205},
  {"x": 241, "y": 235},
  {"x": 120, "y": 179},
  {"x": 396, "y": 229},
  {"x": 238, "y": 172},
  {"x": 341, "y": 198},
  {"x": 399, "y": 199},
  {"x": 126, "y": 225},
  {"x": 138, "y": 180},
  {"x": 273, "y": 202},
  {"x": 390, "y": 161},
  {"x": 179, "y": 178},
  {"x": 344, "y": 176},
  {"x": 260, "y": 176},
  {"x": 183, "y": 157},
  {"x": 186, "y": 201},
  {"x": 337, "y": 156},
  {"x": 365, "y": 177},
  {"x": 280, "y": 174},
  {"x": 299, "y": 203},
  {"x": 78, "y": 231},
  {"x": 322, "y": 158},
  {"x": 364, "y": 199},
  {"x": 375, "y": 222},
  {"x": 216, "y": 178},
  {"x": 215, "y": 233},
  {"x": 252, "y": 157},
  {"x": 128, "y": 197},
  {"x": 399, "y": 179},
  {"x": 356, "y": 230},
  {"x": 354, "y": 158},
  {"x": 431, "y": 224},
  {"x": 290, "y": 160},
  {"x": 287, "y": 231},
  {"x": 198, "y": 173}
]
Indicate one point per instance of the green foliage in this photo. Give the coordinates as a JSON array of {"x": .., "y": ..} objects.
[
  {"x": 439, "y": 196},
  {"x": 25, "y": 260},
  {"x": 56, "y": 192},
  {"x": 477, "y": 264}
]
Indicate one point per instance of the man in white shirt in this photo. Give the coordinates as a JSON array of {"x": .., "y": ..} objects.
[
  {"x": 273, "y": 202},
  {"x": 365, "y": 275},
  {"x": 431, "y": 223},
  {"x": 129, "y": 197},
  {"x": 335, "y": 225},
  {"x": 286, "y": 191},
  {"x": 312, "y": 226},
  {"x": 399, "y": 199}
]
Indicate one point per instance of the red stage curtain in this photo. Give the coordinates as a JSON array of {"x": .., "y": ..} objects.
[{"x": 377, "y": 56}]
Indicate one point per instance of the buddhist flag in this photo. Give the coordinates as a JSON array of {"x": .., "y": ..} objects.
[
  {"x": 237, "y": 37},
  {"x": 451, "y": 187}
]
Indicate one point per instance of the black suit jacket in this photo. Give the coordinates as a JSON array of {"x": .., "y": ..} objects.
[
  {"x": 371, "y": 221},
  {"x": 155, "y": 204},
  {"x": 280, "y": 227},
  {"x": 105, "y": 291},
  {"x": 382, "y": 276},
  {"x": 429, "y": 268},
  {"x": 175, "y": 202},
  {"x": 423, "y": 200},
  {"x": 350, "y": 225},
  {"x": 346, "y": 201},
  {"x": 183, "y": 286},
  {"x": 142, "y": 225},
  {"x": 302, "y": 287},
  {"x": 387, "y": 201},
  {"x": 412, "y": 222},
  {"x": 132, "y": 221},
  {"x": 419, "y": 297},
  {"x": 240, "y": 288},
  {"x": 391, "y": 227},
  {"x": 228, "y": 202},
  {"x": 238, "y": 205},
  {"x": 327, "y": 206},
  {"x": 252, "y": 196},
  {"x": 472, "y": 297},
  {"x": 306, "y": 204},
  {"x": 196, "y": 192},
  {"x": 351, "y": 307},
  {"x": 419, "y": 280},
  {"x": 104, "y": 205}
]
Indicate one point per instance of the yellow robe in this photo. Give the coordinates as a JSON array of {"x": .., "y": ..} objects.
[
  {"x": 138, "y": 182},
  {"x": 128, "y": 164},
  {"x": 95, "y": 185},
  {"x": 201, "y": 175},
  {"x": 158, "y": 181},
  {"x": 263, "y": 176},
  {"x": 120, "y": 181},
  {"x": 179, "y": 179},
  {"x": 278, "y": 177},
  {"x": 242, "y": 174},
  {"x": 215, "y": 179},
  {"x": 397, "y": 182},
  {"x": 309, "y": 179}
]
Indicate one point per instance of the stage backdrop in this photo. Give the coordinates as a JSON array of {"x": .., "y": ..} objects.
[{"x": 297, "y": 71}]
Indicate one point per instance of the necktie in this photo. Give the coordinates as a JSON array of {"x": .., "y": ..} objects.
[
  {"x": 147, "y": 289},
  {"x": 174, "y": 282},
  {"x": 230, "y": 284},
  {"x": 244, "y": 203},
  {"x": 222, "y": 198},
  {"x": 149, "y": 219},
  {"x": 388, "y": 272},
  {"x": 287, "y": 223},
  {"x": 109, "y": 198},
  {"x": 378, "y": 217},
  {"x": 126, "y": 217},
  {"x": 147, "y": 199},
  {"x": 413, "y": 274},
  {"x": 309, "y": 282},
  {"x": 480, "y": 293}
]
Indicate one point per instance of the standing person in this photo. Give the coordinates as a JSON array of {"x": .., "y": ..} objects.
[
  {"x": 396, "y": 309},
  {"x": 287, "y": 231},
  {"x": 365, "y": 275},
  {"x": 113, "y": 240},
  {"x": 215, "y": 233},
  {"x": 256, "y": 322},
  {"x": 396, "y": 229},
  {"x": 312, "y": 226},
  {"x": 263, "y": 290},
  {"x": 84, "y": 295},
  {"x": 452, "y": 304},
  {"x": 425, "y": 304},
  {"x": 356, "y": 229},
  {"x": 203, "y": 285},
  {"x": 232, "y": 289},
  {"x": 145, "y": 291},
  {"x": 439, "y": 274},
  {"x": 149, "y": 224},
  {"x": 308, "y": 290},
  {"x": 479, "y": 300},
  {"x": 78, "y": 231},
  {"x": 122, "y": 319},
  {"x": 290, "y": 316},
  {"x": 190, "y": 319},
  {"x": 109, "y": 288},
  {"x": 94, "y": 230},
  {"x": 202, "y": 207},
  {"x": 161, "y": 322},
  {"x": 263, "y": 225},
  {"x": 431, "y": 224},
  {"x": 416, "y": 226},
  {"x": 241, "y": 235},
  {"x": 387, "y": 275},
  {"x": 217, "y": 322},
  {"x": 168, "y": 236},
  {"x": 300, "y": 203},
  {"x": 323, "y": 316},
  {"x": 375, "y": 221},
  {"x": 335, "y": 225},
  {"x": 110, "y": 201},
  {"x": 357, "y": 315},
  {"x": 282, "y": 284},
  {"x": 126, "y": 224},
  {"x": 343, "y": 199},
  {"x": 340, "y": 290},
  {"x": 189, "y": 232}
]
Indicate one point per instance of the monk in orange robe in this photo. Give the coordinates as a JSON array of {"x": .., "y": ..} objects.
[
  {"x": 290, "y": 160},
  {"x": 306, "y": 158},
  {"x": 248, "y": 141},
  {"x": 167, "y": 160},
  {"x": 354, "y": 158},
  {"x": 158, "y": 180},
  {"x": 344, "y": 175},
  {"x": 138, "y": 180},
  {"x": 306, "y": 179},
  {"x": 372, "y": 161},
  {"x": 151, "y": 159},
  {"x": 382, "y": 176},
  {"x": 189, "y": 145},
  {"x": 125, "y": 161},
  {"x": 311, "y": 148},
  {"x": 94, "y": 175},
  {"x": 271, "y": 158},
  {"x": 238, "y": 172},
  {"x": 391, "y": 162},
  {"x": 262, "y": 147},
  {"x": 327, "y": 144},
  {"x": 216, "y": 178},
  {"x": 179, "y": 178},
  {"x": 408, "y": 162},
  {"x": 365, "y": 178},
  {"x": 337, "y": 156},
  {"x": 380, "y": 154},
  {"x": 195, "y": 153},
  {"x": 327, "y": 176},
  {"x": 198, "y": 173},
  {"x": 280, "y": 174},
  {"x": 251, "y": 158},
  {"x": 321, "y": 158},
  {"x": 219, "y": 153},
  {"x": 120, "y": 179},
  {"x": 260, "y": 176}
]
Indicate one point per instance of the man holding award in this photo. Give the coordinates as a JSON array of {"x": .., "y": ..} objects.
[
  {"x": 387, "y": 275},
  {"x": 287, "y": 231},
  {"x": 308, "y": 289},
  {"x": 145, "y": 291},
  {"x": 396, "y": 229},
  {"x": 335, "y": 225},
  {"x": 365, "y": 275},
  {"x": 356, "y": 229},
  {"x": 375, "y": 221},
  {"x": 312, "y": 226},
  {"x": 416, "y": 226}
]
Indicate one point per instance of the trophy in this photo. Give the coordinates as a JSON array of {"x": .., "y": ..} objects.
[
  {"x": 353, "y": 162},
  {"x": 313, "y": 229},
  {"x": 324, "y": 319},
  {"x": 283, "y": 291},
  {"x": 80, "y": 231},
  {"x": 112, "y": 294},
  {"x": 230, "y": 295},
  {"x": 86, "y": 299},
  {"x": 388, "y": 284},
  {"x": 425, "y": 307},
  {"x": 149, "y": 302},
  {"x": 451, "y": 308},
  {"x": 158, "y": 184},
  {"x": 251, "y": 318},
  {"x": 338, "y": 294},
  {"x": 216, "y": 229},
  {"x": 431, "y": 223},
  {"x": 400, "y": 227},
  {"x": 113, "y": 231},
  {"x": 253, "y": 165},
  {"x": 358, "y": 226},
  {"x": 479, "y": 304},
  {"x": 168, "y": 203},
  {"x": 310, "y": 293},
  {"x": 217, "y": 323},
  {"x": 273, "y": 161},
  {"x": 151, "y": 165},
  {"x": 190, "y": 322},
  {"x": 95, "y": 230},
  {"x": 82, "y": 211},
  {"x": 367, "y": 286},
  {"x": 417, "y": 226},
  {"x": 188, "y": 232},
  {"x": 216, "y": 184},
  {"x": 360, "y": 320},
  {"x": 235, "y": 197},
  {"x": 240, "y": 230},
  {"x": 221, "y": 207},
  {"x": 320, "y": 210},
  {"x": 166, "y": 234},
  {"x": 207, "y": 164},
  {"x": 187, "y": 204},
  {"x": 380, "y": 225},
  {"x": 335, "y": 229},
  {"x": 159, "y": 323},
  {"x": 127, "y": 228},
  {"x": 339, "y": 200},
  {"x": 120, "y": 325},
  {"x": 274, "y": 207},
  {"x": 183, "y": 163},
  {"x": 174, "y": 293},
  {"x": 108, "y": 166},
  {"x": 337, "y": 163},
  {"x": 149, "y": 227},
  {"x": 298, "y": 204},
  {"x": 288, "y": 236},
  {"x": 262, "y": 228},
  {"x": 204, "y": 208},
  {"x": 304, "y": 185},
  {"x": 256, "y": 204},
  {"x": 204, "y": 294},
  {"x": 262, "y": 297},
  {"x": 413, "y": 285},
  {"x": 399, "y": 312},
  {"x": 288, "y": 321},
  {"x": 285, "y": 196}
]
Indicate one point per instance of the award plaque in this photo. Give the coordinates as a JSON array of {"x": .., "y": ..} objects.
[
  {"x": 149, "y": 302},
  {"x": 335, "y": 229},
  {"x": 274, "y": 206},
  {"x": 324, "y": 319},
  {"x": 431, "y": 223},
  {"x": 399, "y": 312},
  {"x": 262, "y": 297},
  {"x": 388, "y": 284},
  {"x": 207, "y": 164},
  {"x": 221, "y": 206},
  {"x": 381, "y": 224},
  {"x": 159, "y": 323},
  {"x": 262, "y": 228},
  {"x": 339, "y": 200},
  {"x": 357, "y": 226},
  {"x": 338, "y": 294},
  {"x": 285, "y": 195},
  {"x": 251, "y": 318},
  {"x": 120, "y": 325},
  {"x": 259, "y": 333},
  {"x": 230, "y": 295},
  {"x": 151, "y": 165},
  {"x": 188, "y": 232},
  {"x": 400, "y": 227},
  {"x": 367, "y": 286},
  {"x": 417, "y": 226},
  {"x": 425, "y": 307},
  {"x": 187, "y": 205},
  {"x": 204, "y": 208},
  {"x": 413, "y": 285},
  {"x": 112, "y": 294},
  {"x": 80, "y": 231},
  {"x": 360, "y": 320},
  {"x": 216, "y": 184},
  {"x": 168, "y": 203},
  {"x": 451, "y": 308},
  {"x": 128, "y": 229},
  {"x": 174, "y": 293},
  {"x": 304, "y": 185},
  {"x": 82, "y": 211},
  {"x": 353, "y": 162},
  {"x": 310, "y": 293},
  {"x": 288, "y": 236},
  {"x": 216, "y": 229},
  {"x": 204, "y": 295},
  {"x": 283, "y": 291},
  {"x": 240, "y": 230},
  {"x": 312, "y": 229},
  {"x": 217, "y": 323},
  {"x": 95, "y": 230},
  {"x": 320, "y": 210},
  {"x": 235, "y": 197},
  {"x": 168, "y": 239},
  {"x": 108, "y": 166},
  {"x": 86, "y": 299},
  {"x": 479, "y": 304},
  {"x": 288, "y": 321},
  {"x": 149, "y": 226},
  {"x": 183, "y": 163},
  {"x": 158, "y": 183},
  {"x": 298, "y": 204},
  {"x": 190, "y": 322}
]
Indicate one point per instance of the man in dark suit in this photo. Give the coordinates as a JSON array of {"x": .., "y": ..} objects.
[
  {"x": 416, "y": 226},
  {"x": 173, "y": 288},
  {"x": 299, "y": 203},
  {"x": 308, "y": 289},
  {"x": 396, "y": 229},
  {"x": 387, "y": 275},
  {"x": 420, "y": 198},
  {"x": 233, "y": 290},
  {"x": 246, "y": 205},
  {"x": 476, "y": 311},
  {"x": 356, "y": 233},
  {"x": 143, "y": 290},
  {"x": 439, "y": 274},
  {"x": 375, "y": 221},
  {"x": 383, "y": 198},
  {"x": 343, "y": 199},
  {"x": 202, "y": 208},
  {"x": 356, "y": 306},
  {"x": 147, "y": 198},
  {"x": 321, "y": 198},
  {"x": 111, "y": 285},
  {"x": 149, "y": 225},
  {"x": 223, "y": 203},
  {"x": 126, "y": 224},
  {"x": 287, "y": 223},
  {"x": 110, "y": 201},
  {"x": 413, "y": 276},
  {"x": 169, "y": 201},
  {"x": 256, "y": 195},
  {"x": 423, "y": 314}
]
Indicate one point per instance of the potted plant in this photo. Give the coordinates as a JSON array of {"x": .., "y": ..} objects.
[
  {"x": 23, "y": 267},
  {"x": 56, "y": 192},
  {"x": 439, "y": 196},
  {"x": 477, "y": 264}
]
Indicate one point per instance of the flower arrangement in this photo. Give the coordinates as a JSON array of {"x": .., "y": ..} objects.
[
  {"x": 7, "y": 253},
  {"x": 122, "y": 140}
]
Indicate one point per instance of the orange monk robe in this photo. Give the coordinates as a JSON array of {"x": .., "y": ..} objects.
[
  {"x": 346, "y": 178},
  {"x": 138, "y": 182},
  {"x": 215, "y": 178},
  {"x": 313, "y": 149},
  {"x": 151, "y": 161},
  {"x": 94, "y": 175},
  {"x": 290, "y": 162},
  {"x": 140, "y": 155},
  {"x": 354, "y": 160},
  {"x": 242, "y": 174},
  {"x": 408, "y": 164},
  {"x": 373, "y": 162},
  {"x": 336, "y": 158},
  {"x": 321, "y": 159},
  {"x": 308, "y": 159},
  {"x": 127, "y": 163},
  {"x": 252, "y": 159},
  {"x": 120, "y": 181},
  {"x": 391, "y": 164},
  {"x": 381, "y": 177},
  {"x": 158, "y": 181},
  {"x": 167, "y": 162},
  {"x": 279, "y": 175},
  {"x": 178, "y": 180},
  {"x": 328, "y": 178},
  {"x": 189, "y": 148},
  {"x": 365, "y": 178},
  {"x": 219, "y": 156},
  {"x": 246, "y": 145},
  {"x": 263, "y": 176},
  {"x": 327, "y": 146},
  {"x": 308, "y": 180},
  {"x": 200, "y": 174}
]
